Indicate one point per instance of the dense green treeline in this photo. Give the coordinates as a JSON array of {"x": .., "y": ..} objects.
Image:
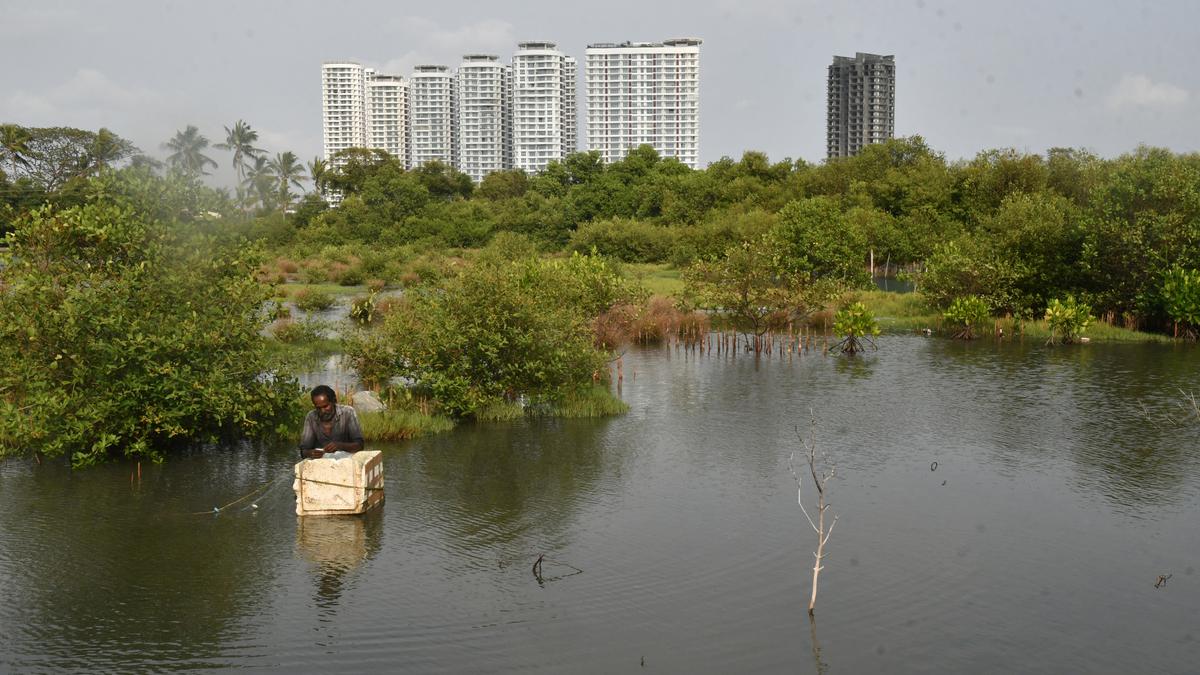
[
  {"x": 1015, "y": 229},
  {"x": 132, "y": 277}
]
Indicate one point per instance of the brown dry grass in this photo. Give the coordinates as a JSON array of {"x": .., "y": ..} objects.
[{"x": 659, "y": 320}]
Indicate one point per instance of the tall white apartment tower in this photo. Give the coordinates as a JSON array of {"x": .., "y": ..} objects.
[
  {"x": 543, "y": 109},
  {"x": 432, "y": 122},
  {"x": 343, "y": 106},
  {"x": 644, "y": 93},
  {"x": 387, "y": 113},
  {"x": 484, "y": 124}
]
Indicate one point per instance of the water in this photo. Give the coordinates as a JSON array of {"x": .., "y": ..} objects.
[
  {"x": 672, "y": 534},
  {"x": 893, "y": 284}
]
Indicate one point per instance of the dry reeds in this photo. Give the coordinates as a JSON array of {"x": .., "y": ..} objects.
[{"x": 658, "y": 321}]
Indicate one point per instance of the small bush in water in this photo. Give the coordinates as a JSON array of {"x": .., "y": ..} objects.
[
  {"x": 313, "y": 300},
  {"x": 857, "y": 326},
  {"x": 1067, "y": 319},
  {"x": 967, "y": 316}
]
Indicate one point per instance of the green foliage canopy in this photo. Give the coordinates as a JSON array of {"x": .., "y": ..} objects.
[
  {"x": 500, "y": 330},
  {"x": 857, "y": 326},
  {"x": 815, "y": 237},
  {"x": 1068, "y": 319},
  {"x": 967, "y": 316},
  {"x": 1181, "y": 297},
  {"x": 129, "y": 334},
  {"x": 755, "y": 288}
]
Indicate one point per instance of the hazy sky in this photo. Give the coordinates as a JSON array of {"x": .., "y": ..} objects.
[{"x": 970, "y": 75}]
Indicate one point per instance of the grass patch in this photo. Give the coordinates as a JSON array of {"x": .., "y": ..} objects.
[
  {"x": 591, "y": 401},
  {"x": 900, "y": 312},
  {"x": 312, "y": 300},
  {"x": 659, "y": 279},
  {"x": 500, "y": 411},
  {"x": 908, "y": 312},
  {"x": 401, "y": 425},
  {"x": 594, "y": 400},
  {"x": 1097, "y": 332},
  {"x": 301, "y": 356}
]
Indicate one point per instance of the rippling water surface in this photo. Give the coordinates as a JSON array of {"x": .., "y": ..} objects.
[{"x": 1066, "y": 481}]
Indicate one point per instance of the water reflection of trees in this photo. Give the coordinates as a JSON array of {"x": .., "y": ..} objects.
[
  {"x": 856, "y": 366},
  {"x": 1132, "y": 461},
  {"x": 111, "y": 567},
  {"x": 496, "y": 483},
  {"x": 1085, "y": 404}
]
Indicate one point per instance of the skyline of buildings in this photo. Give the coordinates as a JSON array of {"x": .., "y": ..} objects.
[
  {"x": 487, "y": 116},
  {"x": 482, "y": 117},
  {"x": 490, "y": 116},
  {"x": 861, "y": 103}
]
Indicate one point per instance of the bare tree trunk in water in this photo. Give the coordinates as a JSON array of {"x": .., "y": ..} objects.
[{"x": 820, "y": 480}]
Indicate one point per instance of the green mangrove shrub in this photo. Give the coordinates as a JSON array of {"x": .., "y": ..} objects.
[
  {"x": 965, "y": 267},
  {"x": 126, "y": 335},
  {"x": 967, "y": 316},
  {"x": 626, "y": 240},
  {"x": 858, "y": 328},
  {"x": 362, "y": 310},
  {"x": 499, "y": 331},
  {"x": 1067, "y": 319},
  {"x": 755, "y": 288},
  {"x": 1181, "y": 300},
  {"x": 312, "y": 300},
  {"x": 291, "y": 331}
]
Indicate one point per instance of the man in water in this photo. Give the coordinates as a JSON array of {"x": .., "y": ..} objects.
[{"x": 329, "y": 429}]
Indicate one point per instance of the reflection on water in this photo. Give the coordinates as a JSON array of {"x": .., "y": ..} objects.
[
  {"x": 894, "y": 284},
  {"x": 819, "y": 666},
  {"x": 670, "y": 534},
  {"x": 336, "y": 546}
]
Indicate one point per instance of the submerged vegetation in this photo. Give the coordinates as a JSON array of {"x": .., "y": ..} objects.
[{"x": 511, "y": 297}]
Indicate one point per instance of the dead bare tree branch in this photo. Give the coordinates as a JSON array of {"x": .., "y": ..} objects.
[{"x": 820, "y": 478}]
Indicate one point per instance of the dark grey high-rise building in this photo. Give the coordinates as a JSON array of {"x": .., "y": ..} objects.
[{"x": 862, "y": 102}]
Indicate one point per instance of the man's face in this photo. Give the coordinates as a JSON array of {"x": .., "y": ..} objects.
[{"x": 325, "y": 409}]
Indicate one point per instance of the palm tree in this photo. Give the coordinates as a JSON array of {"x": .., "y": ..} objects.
[
  {"x": 240, "y": 139},
  {"x": 145, "y": 162},
  {"x": 288, "y": 171},
  {"x": 107, "y": 148},
  {"x": 318, "y": 171},
  {"x": 14, "y": 147},
  {"x": 187, "y": 151},
  {"x": 259, "y": 181}
]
